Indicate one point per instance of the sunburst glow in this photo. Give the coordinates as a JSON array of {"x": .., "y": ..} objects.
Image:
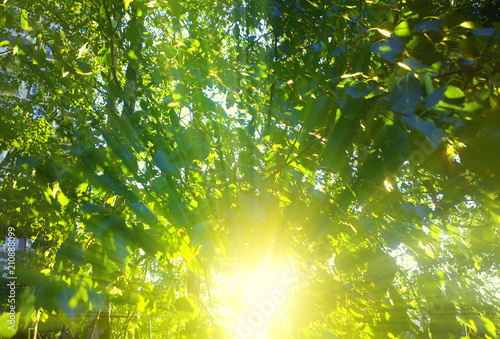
[{"x": 257, "y": 298}]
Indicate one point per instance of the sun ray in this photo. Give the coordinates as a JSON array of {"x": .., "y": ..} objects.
[{"x": 257, "y": 298}]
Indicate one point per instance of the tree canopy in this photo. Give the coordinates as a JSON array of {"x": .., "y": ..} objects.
[{"x": 237, "y": 169}]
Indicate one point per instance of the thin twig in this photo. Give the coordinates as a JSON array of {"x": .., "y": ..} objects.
[
  {"x": 453, "y": 72},
  {"x": 286, "y": 163},
  {"x": 312, "y": 43},
  {"x": 6, "y": 52}
]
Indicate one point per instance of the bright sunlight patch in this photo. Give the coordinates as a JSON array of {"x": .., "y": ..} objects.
[{"x": 256, "y": 299}]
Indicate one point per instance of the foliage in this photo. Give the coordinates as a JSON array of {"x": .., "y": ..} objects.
[
  {"x": 168, "y": 143},
  {"x": 486, "y": 12}
]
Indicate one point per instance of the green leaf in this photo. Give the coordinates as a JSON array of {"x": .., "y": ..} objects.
[
  {"x": 485, "y": 325},
  {"x": 98, "y": 224},
  {"x": 468, "y": 320},
  {"x": 407, "y": 93},
  {"x": 402, "y": 31},
  {"x": 193, "y": 145},
  {"x": 381, "y": 269},
  {"x": 163, "y": 162},
  {"x": 453, "y": 92},
  {"x": 63, "y": 200},
  {"x": 71, "y": 252},
  {"x": 372, "y": 170},
  {"x": 480, "y": 148},
  {"x": 421, "y": 48},
  {"x": 83, "y": 68},
  {"x": 360, "y": 60},
  {"x": 317, "y": 112},
  {"x": 132, "y": 56},
  {"x": 359, "y": 89},
  {"x": 320, "y": 227},
  {"x": 91, "y": 208},
  {"x": 350, "y": 259},
  {"x": 148, "y": 240},
  {"x": 186, "y": 251},
  {"x": 336, "y": 159},
  {"x": 9, "y": 324},
  {"x": 480, "y": 239},
  {"x": 26, "y": 162},
  {"x": 367, "y": 224},
  {"x": 394, "y": 146},
  {"x": 316, "y": 47},
  {"x": 389, "y": 49},
  {"x": 427, "y": 26},
  {"x": 186, "y": 308},
  {"x": 144, "y": 213},
  {"x": 24, "y": 20}
]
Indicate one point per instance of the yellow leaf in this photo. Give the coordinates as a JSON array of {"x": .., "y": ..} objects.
[
  {"x": 126, "y": 3},
  {"x": 388, "y": 186},
  {"x": 173, "y": 104},
  {"x": 285, "y": 199},
  {"x": 400, "y": 64},
  {"x": 470, "y": 25},
  {"x": 63, "y": 200},
  {"x": 24, "y": 21},
  {"x": 384, "y": 32},
  {"x": 353, "y": 75},
  {"x": 186, "y": 251},
  {"x": 82, "y": 51},
  {"x": 45, "y": 271},
  {"x": 111, "y": 200}
]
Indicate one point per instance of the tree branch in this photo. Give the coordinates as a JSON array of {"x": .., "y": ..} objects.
[{"x": 453, "y": 72}]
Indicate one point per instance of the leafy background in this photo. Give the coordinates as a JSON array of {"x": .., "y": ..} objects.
[{"x": 354, "y": 143}]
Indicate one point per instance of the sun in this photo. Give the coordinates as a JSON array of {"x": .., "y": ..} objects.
[{"x": 256, "y": 299}]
